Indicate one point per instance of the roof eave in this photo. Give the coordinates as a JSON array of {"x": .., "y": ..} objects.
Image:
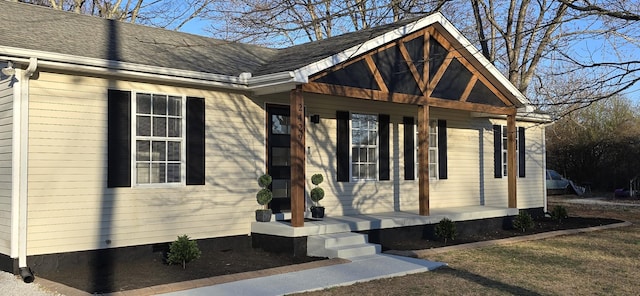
[{"x": 124, "y": 69}]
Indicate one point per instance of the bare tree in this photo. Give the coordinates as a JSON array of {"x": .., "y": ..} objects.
[{"x": 288, "y": 22}]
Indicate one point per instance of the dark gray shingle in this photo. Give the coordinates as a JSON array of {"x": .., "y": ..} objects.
[
  {"x": 40, "y": 28},
  {"x": 44, "y": 29}
]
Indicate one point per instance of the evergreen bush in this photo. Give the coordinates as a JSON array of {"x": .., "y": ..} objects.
[
  {"x": 523, "y": 221},
  {"x": 182, "y": 251},
  {"x": 264, "y": 196},
  {"x": 446, "y": 229},
  {"x": 317, "y": 193},
  {"x": 558, "y": 213}
]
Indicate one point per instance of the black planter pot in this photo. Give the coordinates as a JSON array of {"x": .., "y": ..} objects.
[
  {"x": 263, "y": 215},
  {"x": 317, "y": 212}
]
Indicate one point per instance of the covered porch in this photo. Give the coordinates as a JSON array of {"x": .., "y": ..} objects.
[{"x": 426, "y": 69}]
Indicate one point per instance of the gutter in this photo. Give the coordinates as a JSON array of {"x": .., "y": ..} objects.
[
  {"x": 131, "y": 70},
  {"x": 19, "y": 162},
  {"x": 264, "y": 84},
  {"x": 520, "y": 116}
]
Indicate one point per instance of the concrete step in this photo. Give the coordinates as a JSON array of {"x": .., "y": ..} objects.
[
  {"x": 353, "y": 251},
  {"x": 341, "y": 245}
]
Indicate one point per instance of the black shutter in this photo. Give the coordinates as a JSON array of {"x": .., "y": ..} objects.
[
  {"x": 119, "y": 138},
  {"x": 409, "y": 149},
  {"x": 342, "y": 149},
  {"x": 383, "y": 144},
  {"x": 442, "y": 149},
  {"x": 521, "y": 152},
  {"x": 195, "y": 141},
  {"x": 497, "y": 151}
]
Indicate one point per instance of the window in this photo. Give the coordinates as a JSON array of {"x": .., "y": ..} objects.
[
  {"x": 504, "y": 150},
  {"x": 364, "y": 147},
  {"x": 159, "y": 138},
  {"x": 500, "y": 151},
  {"x": 433, "y": 150},
  {"x": 437, "y": 149}
]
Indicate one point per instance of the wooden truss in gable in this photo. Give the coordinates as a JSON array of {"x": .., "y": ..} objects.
[{"x": 423, "y": 68}]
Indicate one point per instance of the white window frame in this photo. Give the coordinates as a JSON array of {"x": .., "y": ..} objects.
[
  {"x": 503, "y": 143},
  {"x": 367, "y": 146},
  {"x": 433, "y": 161},
  {"x": 182, "y": 140}
]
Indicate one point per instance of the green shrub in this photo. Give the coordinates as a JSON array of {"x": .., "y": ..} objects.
[
  {"x": 264, "y": 181},
  {"x": 317, "y": 193},
  {"x": 523, "y": 221},
  {"x": 264, "y": 196},
  {"x": 182, "y": 251},
  {"x": 316, "y": 179},
  {"x": 558, "y": 213},
  {"x": 446, "y": 229}
]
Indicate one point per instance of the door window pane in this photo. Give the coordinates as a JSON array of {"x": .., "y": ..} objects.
[
  {"x": 280, "y": 125},
  {"x": 280, "y": 188},
  {"x": 281, "y": 156}
]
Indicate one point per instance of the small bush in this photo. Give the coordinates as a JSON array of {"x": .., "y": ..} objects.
[
  {"x": 446, "y": 229},
  {"x": 558, "y": 213},
  {"x": 182, "y": 251},
  {"x": 316, "y": 179},
  {"x": 264, "y": 181},
  {"x": 264, "y": 196},
  {"x": 317, "y": 194},
  {"x": 523, "y": 221}
]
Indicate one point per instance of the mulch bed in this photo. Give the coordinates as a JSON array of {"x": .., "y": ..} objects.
[
  {"x": 541, "y": 225},
  {"x": 147, "y": 272}
]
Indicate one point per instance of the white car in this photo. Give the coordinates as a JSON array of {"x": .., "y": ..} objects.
[{"x": 556, "y": 183}]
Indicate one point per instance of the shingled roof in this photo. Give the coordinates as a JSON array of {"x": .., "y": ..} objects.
[
  {"x": 44, "y": 29},
  {"x": 295, "y": 57}
]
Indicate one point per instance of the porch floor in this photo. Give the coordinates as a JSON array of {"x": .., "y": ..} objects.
[{"x": 362, "y": 222}]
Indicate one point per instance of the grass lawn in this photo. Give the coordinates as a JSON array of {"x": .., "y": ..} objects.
[{"x": 603, "y": 262}]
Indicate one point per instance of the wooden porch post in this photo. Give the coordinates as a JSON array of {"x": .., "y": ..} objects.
[
  {"x": 297, "y": 157},
  {"x": 511, "y": 160},
  {"x": 423, "y": 159}
]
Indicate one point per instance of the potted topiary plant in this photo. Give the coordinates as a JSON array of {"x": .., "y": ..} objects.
[
  {"x": 263, "y": 197},
  {"x": 317, "y": 194}
]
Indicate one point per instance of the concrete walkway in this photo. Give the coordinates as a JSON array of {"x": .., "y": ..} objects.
[{"x": 360, "y": 269}]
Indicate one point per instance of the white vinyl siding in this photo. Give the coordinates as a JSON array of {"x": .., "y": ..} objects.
[
  {"x": 6, "y": 130},
  {"x": 70, "y": 206}
]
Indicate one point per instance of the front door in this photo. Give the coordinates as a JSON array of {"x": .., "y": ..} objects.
[{"x": 279, "y": 156}]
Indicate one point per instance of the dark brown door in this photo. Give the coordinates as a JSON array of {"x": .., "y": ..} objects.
[{"x": 279, "y": 156}]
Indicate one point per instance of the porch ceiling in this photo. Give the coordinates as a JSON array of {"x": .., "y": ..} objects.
[{"x": 363, "y": 222}]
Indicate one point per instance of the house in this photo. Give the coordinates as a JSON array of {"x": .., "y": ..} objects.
[{"x": 118, "y": 136}]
